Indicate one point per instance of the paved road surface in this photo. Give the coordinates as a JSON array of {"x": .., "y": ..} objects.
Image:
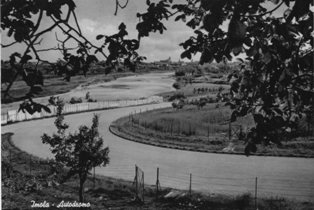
[{"x": 215, "y": 173}]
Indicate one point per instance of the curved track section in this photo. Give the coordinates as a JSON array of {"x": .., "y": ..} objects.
[{"x": 214, "y": 173}]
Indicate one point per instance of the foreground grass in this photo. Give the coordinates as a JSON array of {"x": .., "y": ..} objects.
[
  {"x": 204, "y": 130},
  {"x": 24, "y": 181}
]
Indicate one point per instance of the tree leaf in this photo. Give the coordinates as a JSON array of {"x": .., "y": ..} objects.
[
  {"x": 212, "y": 21},
  {"x": 266, "y": 58},
  {"x": 26, "y": 58},
  {"x": 122, "y": 26},
  {"x": 206, "y": 57},
  {"x": 100, "y": 36},
  {"x": 186, "y": 54},
  {"x": 236, "y": 32}
]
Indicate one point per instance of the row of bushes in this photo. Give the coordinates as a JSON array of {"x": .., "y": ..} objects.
[
  {"x": 204, "y": 90},
  {"x": 77, "y": 100},
  {"x": 200, "y": 103}
]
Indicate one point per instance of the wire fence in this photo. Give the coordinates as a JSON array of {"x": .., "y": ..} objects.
[
  {"x": 16, "y": 116},
  {"x": 265, "y": 186}
]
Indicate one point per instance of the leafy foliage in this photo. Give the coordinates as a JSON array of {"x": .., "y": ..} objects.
[
  {"x": 121, "y": 49},
  {"x": 31, "y": 107},
  {"x": 276, "y": 86},
  {"x": 79, "y": 151},
  {"x": 151, "y": 21},
  {"x": 21, "y": 20}
]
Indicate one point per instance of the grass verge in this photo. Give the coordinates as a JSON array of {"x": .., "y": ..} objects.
[{"x": 202, "y": 130}]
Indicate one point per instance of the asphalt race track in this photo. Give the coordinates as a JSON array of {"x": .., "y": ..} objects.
[{"x": 214, "y": 173}]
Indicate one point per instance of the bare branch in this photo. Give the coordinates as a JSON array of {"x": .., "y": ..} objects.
[
  {"x": 8, "y": 45},
  {"x": 77, "y": 25},
  {"x": 79, "y": 35},
  {"x": 38, "y": 23},
  {"x": 119, "y": 5},
  {"x": 35, "y": 51},
  {"x": 268, "y": 12},
  {"x": 39, "y": 43}
]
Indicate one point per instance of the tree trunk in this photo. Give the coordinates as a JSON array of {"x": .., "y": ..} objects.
[{"x": 81, "y": 192}]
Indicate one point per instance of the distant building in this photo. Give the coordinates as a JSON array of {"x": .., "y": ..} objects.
[
  {"x": 163, "y": 63},
  {"x": 168, "y": 63}
]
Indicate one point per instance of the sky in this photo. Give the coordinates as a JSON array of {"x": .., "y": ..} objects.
[{"x": 97, "y": 17}]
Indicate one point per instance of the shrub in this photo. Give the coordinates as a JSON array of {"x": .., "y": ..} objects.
[
  {"x": 178, "y": 105},
  {"x": 220, "y": 82},
  {"x": 176, "y": 85},
  {"x": 91, "y": 100},
  {"x": 75, "y": 100},
  {"x": 177, "y": 96},
  {"x": 179, "y": 73},
  {"x": 243, "y": 201},
  {"x": 87, "y": 96}
]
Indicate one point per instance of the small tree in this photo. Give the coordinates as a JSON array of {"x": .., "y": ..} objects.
[{"x": 78, "y": 152}]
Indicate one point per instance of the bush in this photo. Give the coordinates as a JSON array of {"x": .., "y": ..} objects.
[
  {"x": 176, "y": 85},
  {"x": 179, "y": 73},
  {"x": 178, "y": 105},
  {"x": 177, "y": 96},
  {"x": 220, "y": 82},
  {"x": 201, "y": 103},
  {"x": 91, "y": 100},
  {"x": 75, "y": 100},
  {"x": 243, "y": 201}
]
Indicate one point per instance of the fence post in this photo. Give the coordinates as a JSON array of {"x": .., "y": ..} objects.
[
  {"x": 136, "y": 184},
  {"x": 157, "y": 184},
  {"x": 171, "y": 125},
  {"x": 256, "y": 193},
  {"x": 190, "y": 188},
  {"x": 10, "y": 157},
  {"x": 229, "y": 131},
  {"x": 143, "y": 185},
  {"x": 132, "y": 119},
  {"x": 30, "y": 165},
  {"x": 94, "y": 179},
  {"x": 208, "y": 131}
]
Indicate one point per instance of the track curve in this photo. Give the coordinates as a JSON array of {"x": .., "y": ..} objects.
[{"x": 215, "y": 173}]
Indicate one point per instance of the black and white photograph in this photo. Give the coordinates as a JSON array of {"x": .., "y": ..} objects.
[{"x": 157, "y": 104}]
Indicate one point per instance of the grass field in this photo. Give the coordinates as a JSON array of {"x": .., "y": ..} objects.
[
  {"x": 205, "y": 130},
  {"x": 56, "y": 85},
  {"x": 26, "y": 178}
]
